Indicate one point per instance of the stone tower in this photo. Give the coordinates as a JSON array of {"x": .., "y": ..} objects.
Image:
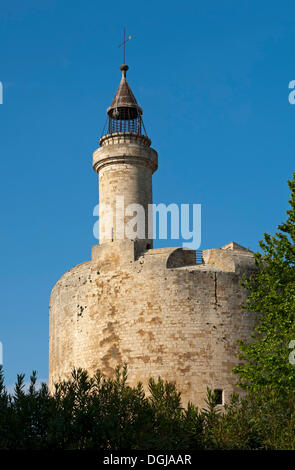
[
  {"x": 125, "y": 164},
  {"x": 156, "y": 309}
]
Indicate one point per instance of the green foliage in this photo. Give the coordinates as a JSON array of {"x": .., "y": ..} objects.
[
  {"x": 265, "y": 359},
  {"x": 174, "y": 428},
  {"x": 96, "y": 413},
  {"x": 100, "y": 413},
  {"x": 262, "y": 421}
]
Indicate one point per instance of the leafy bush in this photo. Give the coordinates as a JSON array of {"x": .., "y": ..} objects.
[
  {"x": 96, "y": 413},
  {"x": 107, "y": 414}
]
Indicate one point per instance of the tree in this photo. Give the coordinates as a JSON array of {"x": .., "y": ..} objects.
[{"x": 265, "y": 358}]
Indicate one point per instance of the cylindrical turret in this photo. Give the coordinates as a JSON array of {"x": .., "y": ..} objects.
[{"x": 125, "y": 164}]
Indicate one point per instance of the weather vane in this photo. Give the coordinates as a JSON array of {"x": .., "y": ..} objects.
[{"x": 124, "y": 44}]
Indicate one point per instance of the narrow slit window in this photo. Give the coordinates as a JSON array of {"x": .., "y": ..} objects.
[{"x": 219, "y": 396}]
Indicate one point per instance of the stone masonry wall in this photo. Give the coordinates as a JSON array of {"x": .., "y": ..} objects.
[{"x": 180, "y": 323}]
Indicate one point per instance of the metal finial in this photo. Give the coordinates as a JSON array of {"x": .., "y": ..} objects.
[
  {"x": 124, "y": 44},
  {"x": 124, "y": 69}
]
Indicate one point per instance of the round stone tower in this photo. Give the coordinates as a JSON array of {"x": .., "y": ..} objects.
[{"x": 155, "y": 309}]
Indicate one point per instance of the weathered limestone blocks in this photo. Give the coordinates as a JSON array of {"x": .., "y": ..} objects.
[
  {"x": 231, "y": 257},
  {"x": 160, "y": 312}
]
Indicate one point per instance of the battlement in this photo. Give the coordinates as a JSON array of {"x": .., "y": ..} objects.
[{"x": 126, "y": 254}]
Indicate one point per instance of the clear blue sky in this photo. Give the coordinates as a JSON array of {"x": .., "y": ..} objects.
[{"x": 212, "y": 78}]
